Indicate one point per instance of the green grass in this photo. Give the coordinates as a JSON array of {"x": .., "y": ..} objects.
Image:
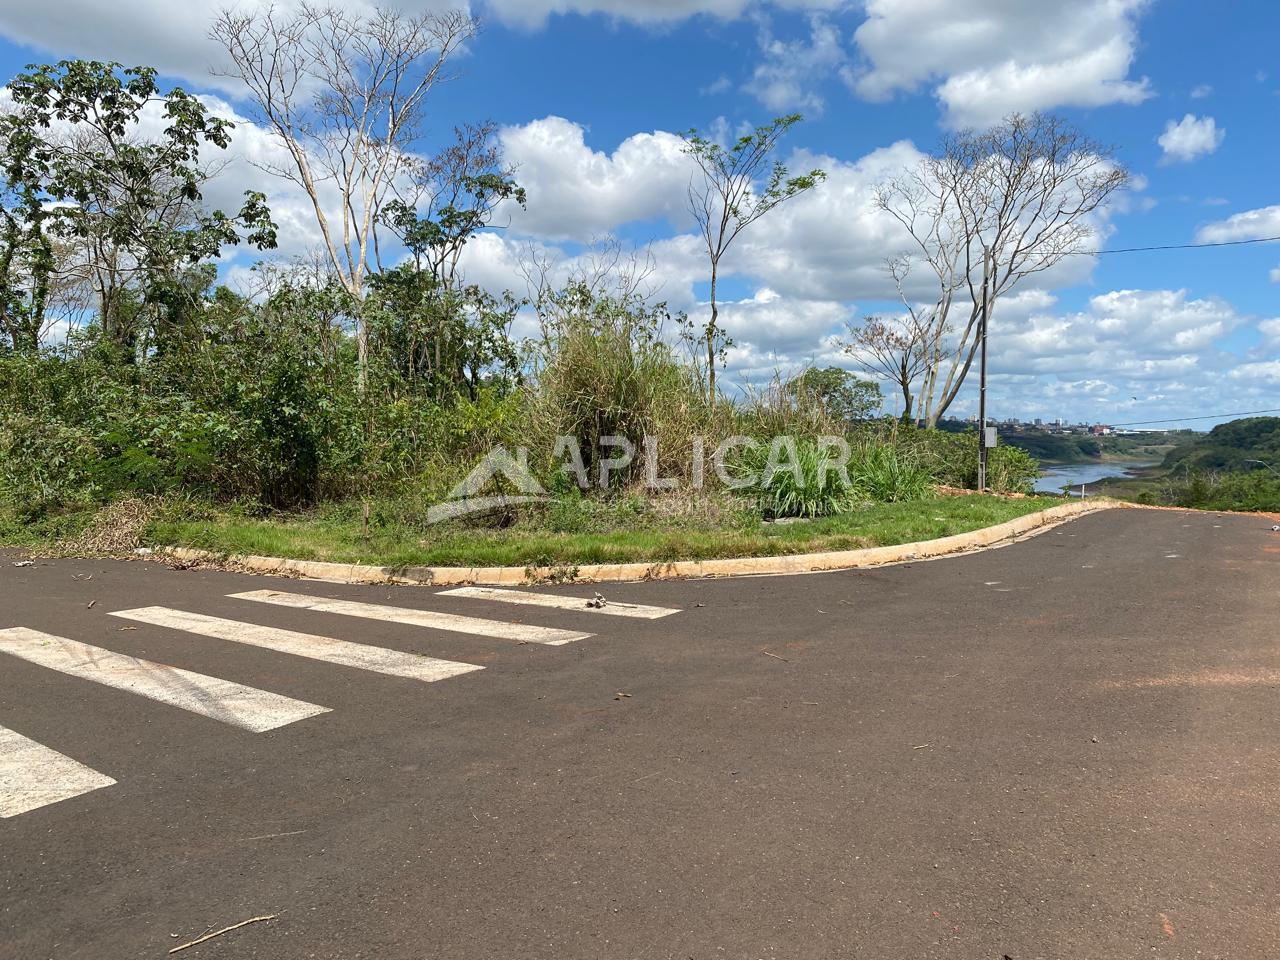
[{"x": 627, "y": 535}]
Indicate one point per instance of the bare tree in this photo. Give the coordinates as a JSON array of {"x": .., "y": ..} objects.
[
  {"x": 988, "y": 210},
  {"x": 727, "y": 198},
  {"x": 896, "y": 348},
  {"x": 345, "y": 94}
]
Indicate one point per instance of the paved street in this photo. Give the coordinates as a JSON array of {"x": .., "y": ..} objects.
[{"x": 1064, "y": 748}]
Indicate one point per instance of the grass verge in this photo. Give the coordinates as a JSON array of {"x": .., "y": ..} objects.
[{"x": 324, "y": 536}]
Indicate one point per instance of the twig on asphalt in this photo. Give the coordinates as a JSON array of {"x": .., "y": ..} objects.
[
  {"x": 271, "y": 836},
  {"x": 218, "y": 933},
  {"x": 775, "y": 656}
]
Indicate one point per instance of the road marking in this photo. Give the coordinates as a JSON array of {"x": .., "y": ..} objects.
[
  {"x": 524, "y": 633},
  {"x": 358, "y": 655},
  {"x": 233, "y": 703},
  {"x": 612, "y": 607},
  {"x": 33, "y": 776}
]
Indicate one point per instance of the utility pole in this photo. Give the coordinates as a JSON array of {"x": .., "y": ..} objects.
[{"x": 982, "y": 376}]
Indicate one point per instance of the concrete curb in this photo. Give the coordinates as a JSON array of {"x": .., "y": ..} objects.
[{"x": 596, "y": 573}]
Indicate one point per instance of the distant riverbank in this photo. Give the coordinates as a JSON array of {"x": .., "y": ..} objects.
[{"x": 1055, "y": 477}]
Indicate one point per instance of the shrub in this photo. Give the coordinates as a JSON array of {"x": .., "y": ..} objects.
[
  {"x": 952, "y": 458},
  {"x": 882, "y": 472},
  {"x": 603, "y": 370},
  {"x": 1257, "y": 491},
  {"x": 804, "y": 482}
]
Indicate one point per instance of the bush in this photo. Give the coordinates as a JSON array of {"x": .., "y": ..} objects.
[
  {"x": 805, "y": 482},
  {"x": 1257, "y": 491},
  {"x": 884, "y": 473},
  {"x": 952, "y": 458},
  {"x": 602, "y": 370}
]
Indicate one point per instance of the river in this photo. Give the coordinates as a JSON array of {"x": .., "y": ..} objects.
[{"x": 1054, "y": 478}]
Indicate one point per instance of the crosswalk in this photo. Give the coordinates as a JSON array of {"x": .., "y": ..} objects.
[
  {"x": 522, "y": 632},
  {"x": 33, "y": 775},
  {"x": 342, "y": 652},
  {"x": 610, "y": 607}
]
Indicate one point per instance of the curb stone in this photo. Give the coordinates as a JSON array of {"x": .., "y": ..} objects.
[{"x": 617, "y": 572}]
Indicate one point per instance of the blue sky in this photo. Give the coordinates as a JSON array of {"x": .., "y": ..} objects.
[{"x": 590, "y": 91}]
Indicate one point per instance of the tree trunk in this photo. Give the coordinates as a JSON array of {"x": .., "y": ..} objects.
[{"x": 711, "y": 336}]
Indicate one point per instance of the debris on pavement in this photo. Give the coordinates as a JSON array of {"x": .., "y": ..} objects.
[
  {"x": 621, "y": 696},
  {"x": 597, "y": 602},
  {"x": 218, "y": 933},
  {"x": 24, "y": 563},
  {"x": 775, "y": 656}
]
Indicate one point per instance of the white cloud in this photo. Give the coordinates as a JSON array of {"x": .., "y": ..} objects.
[
  {"x": 1121, "y": 335},
  {"x": 1162, "y": 320},
  {"x": 782, "y": 79},
  {"x": 1267, "y": 370},
  {"x": 1270, "y": 330},
  {"x": 577, "y": 193},
  {"x": 1201, "y": 91},
  {"x": 1249, "y": 225},
  {"x": 1275, "y": 274},
  {"x": 830, "y": 243},
  {"x": 533, "y": 13},
  {"x": 989, "y": 58},
  {"x": 1191, "y": 137},
  {"x": 768, "y": 323},
  {"x": 173, "y": 36}
]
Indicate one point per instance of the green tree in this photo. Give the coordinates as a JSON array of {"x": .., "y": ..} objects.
[
  {"x": 729, "y": 195},
  {"x": 842, "y": 395},
  {"x": 131, "y": 204}
]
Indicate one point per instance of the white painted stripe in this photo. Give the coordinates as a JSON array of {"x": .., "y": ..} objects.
[
  {"x": 525, "y": 633},
  {"x": 33, "y": 776},
  {"x": 611, "y": 607},
  {"x": 232, "y": 703},
  {"x": 342, "y": 652}
]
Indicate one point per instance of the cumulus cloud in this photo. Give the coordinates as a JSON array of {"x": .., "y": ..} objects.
[
  {"x": 986, "y": 59},
  {"x": 1122, "y": 337},
  {"x": 1201, "y": 91},
  {"x": 1262, "y": 370},
  {"x": 1270, "y": 330},
  {"x": 1191, "y": 137},
  {"x": 173, "y": 36},
  {"x": 576, "y": 192},
  {"x": 1249, "y": 225}
]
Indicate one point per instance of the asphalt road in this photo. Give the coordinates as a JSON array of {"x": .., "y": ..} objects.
[{"x": 1065, "y": 748}]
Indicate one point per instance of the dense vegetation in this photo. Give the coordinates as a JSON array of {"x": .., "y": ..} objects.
[
  {"x": 1055, "y": 447},
  {"x": 1236, "y": 466},
  {"x": 127, "y": 370},
  {"x": 1078, "y": 448},
  {"x": 1229, "y": 447}
]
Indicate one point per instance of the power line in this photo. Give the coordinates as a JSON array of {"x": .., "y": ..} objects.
[
  {"x": 1207, "y": 416},
  {"x": 1173, "y": 246}
]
